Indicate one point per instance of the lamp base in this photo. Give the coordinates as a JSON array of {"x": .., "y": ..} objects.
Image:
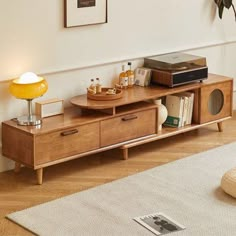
[{"x": 29, "y": 120}]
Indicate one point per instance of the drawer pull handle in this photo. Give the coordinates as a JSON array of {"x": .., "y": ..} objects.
[
  {"x": 131, "y": 117},
  {"x": 69, "y": 132}
]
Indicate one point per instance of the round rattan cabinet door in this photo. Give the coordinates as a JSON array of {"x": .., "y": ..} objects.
[{"x": 215, "y": 102}]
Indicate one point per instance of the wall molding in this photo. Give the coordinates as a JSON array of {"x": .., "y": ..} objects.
[{"x": 120, "y": 60}]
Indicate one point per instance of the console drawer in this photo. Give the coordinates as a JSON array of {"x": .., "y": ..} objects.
[
  {"x": 126, "y": 127},
  {"x": 68, "y": 142}
]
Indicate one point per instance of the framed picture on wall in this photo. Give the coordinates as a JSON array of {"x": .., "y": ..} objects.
[{"x": 85, "y": 12}]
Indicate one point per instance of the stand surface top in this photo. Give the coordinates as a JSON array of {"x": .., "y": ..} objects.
[{"x": 138, "y": 93}]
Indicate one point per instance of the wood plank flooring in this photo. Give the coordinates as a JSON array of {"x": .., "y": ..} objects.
[{"x": 19, "y": 191}]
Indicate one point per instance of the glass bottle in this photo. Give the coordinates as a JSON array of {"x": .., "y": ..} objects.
[
  {"x": 92, "y": 87},
  {"x": 130, "y": 74},
  {"x": 98, "y": 86},
  {"x": 123, "y": 78}
]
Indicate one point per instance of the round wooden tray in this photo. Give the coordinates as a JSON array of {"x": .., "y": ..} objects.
[{"x": 105, "y": 97}]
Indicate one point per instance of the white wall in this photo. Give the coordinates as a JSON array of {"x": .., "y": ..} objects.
[
  {"x": 33, "y": 39},
  {"x": 33, "y": 36}
]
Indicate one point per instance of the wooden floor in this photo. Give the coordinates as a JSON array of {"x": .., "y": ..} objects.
[{"x": 19, "y": 191}]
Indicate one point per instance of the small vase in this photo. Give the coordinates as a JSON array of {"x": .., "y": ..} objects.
[{"x": 162, "y": 113}]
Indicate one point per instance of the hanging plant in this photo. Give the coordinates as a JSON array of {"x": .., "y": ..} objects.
[{"x": 221, "y": 4}]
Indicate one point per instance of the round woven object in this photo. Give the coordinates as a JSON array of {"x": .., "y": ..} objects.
[{"x": 228, "y": 182}]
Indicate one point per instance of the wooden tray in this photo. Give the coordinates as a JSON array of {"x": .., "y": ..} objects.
[{"x": 105, "y": 97}]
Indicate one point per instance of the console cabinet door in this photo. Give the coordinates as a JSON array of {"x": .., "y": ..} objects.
[
  {"x": 68, "y": 142},
  {"x": 215, "y": 101},
  {"x": 127, "y": 127}
]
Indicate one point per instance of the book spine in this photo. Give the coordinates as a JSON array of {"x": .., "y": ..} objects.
[
  {"x": 191, "y": 101},
  {"x": 185, "y": 110},
  {"x": 181, "y": 112}
]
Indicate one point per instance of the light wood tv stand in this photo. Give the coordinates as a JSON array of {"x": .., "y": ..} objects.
[{"x": 92, "y": 126}]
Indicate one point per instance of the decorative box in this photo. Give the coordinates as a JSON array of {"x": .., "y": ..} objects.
[{"x": 49, "y": 107}]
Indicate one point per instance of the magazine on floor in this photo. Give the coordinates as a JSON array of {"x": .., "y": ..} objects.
[{"x": 159, "y": 223}]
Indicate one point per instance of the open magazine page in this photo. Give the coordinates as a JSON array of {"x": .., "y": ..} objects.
[{"x": 159, "y": 224}]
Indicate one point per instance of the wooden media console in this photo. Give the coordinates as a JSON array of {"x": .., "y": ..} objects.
[{"x": 91, "y": 126}]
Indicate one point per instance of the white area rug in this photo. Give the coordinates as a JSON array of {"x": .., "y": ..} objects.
[{"x": 187, "y": 190}]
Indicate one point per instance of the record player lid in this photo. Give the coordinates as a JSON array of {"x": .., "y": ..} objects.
[{"x": 175, "y": 61}]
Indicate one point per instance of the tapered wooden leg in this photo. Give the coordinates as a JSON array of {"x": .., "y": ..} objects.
[
  {"x": 39, "y": 175},
  {"x": 125, "y": 153},
  {"x": 220, "y": 126},
  {"x": 17, "y": 167}
]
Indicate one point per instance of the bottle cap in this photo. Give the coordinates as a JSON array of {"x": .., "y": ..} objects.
[{"x": 129, "y": 63}]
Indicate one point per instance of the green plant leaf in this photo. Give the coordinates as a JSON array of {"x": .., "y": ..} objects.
[
  {"x": 227, "y": 3},
  {"x": 221, "y": 9},
  {"x": 218, "y": 2}
]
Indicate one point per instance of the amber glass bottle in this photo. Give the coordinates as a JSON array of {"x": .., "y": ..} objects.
[
  {"x": 92, "y": 87},
  {"x": 98, "y": 86},
  {"x": 123, "y": 78},
  {"x": 130, "y": 74}
]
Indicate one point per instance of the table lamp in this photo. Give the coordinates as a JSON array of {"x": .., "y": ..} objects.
[{"x": 28, "y": 86}]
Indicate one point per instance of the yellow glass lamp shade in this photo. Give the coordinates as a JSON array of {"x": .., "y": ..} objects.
[{"x": 28, "y": 87}]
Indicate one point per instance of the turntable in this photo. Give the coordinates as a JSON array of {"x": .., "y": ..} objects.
[{"x": 175, "y": 69}]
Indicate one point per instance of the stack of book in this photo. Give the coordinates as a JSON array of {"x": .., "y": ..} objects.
[{"x": 180, "y": 109}]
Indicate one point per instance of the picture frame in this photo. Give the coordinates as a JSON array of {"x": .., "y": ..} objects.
[{"x": 84, "y": 12}]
